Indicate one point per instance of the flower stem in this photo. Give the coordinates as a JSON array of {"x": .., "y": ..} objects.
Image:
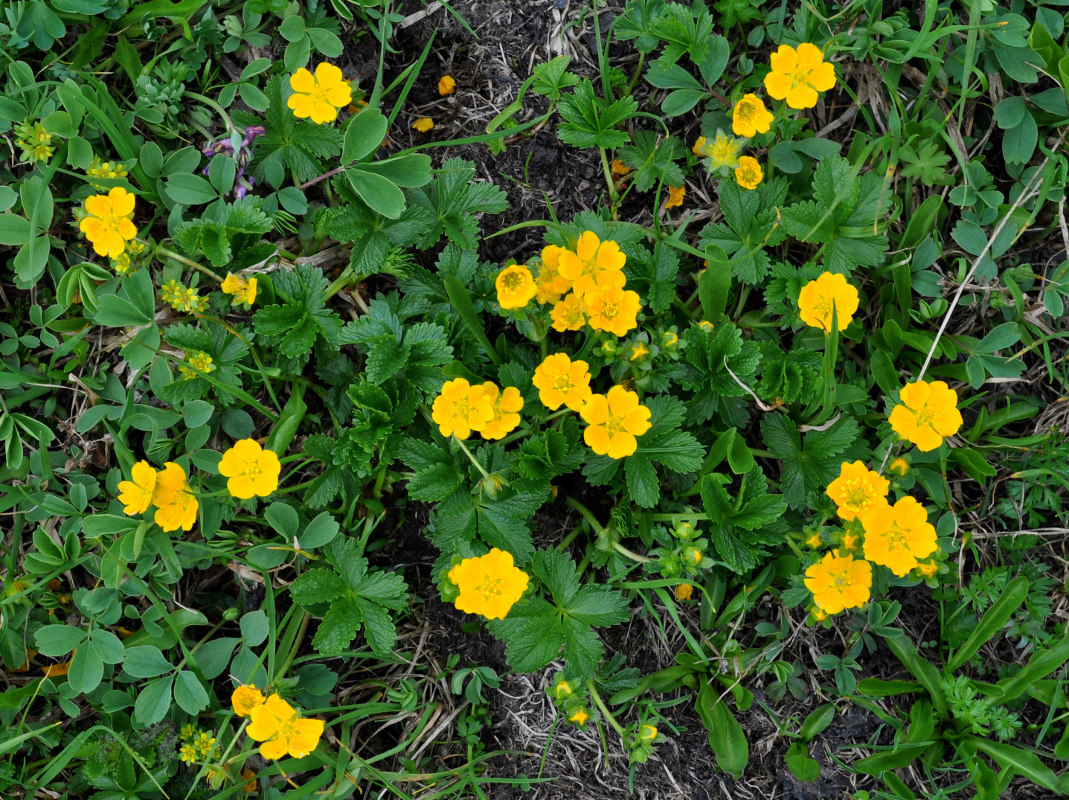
[
  {"x": 471, "y": 458},
  {"x": 603, "y": 708},
  {"x": 162, "y": 251}
]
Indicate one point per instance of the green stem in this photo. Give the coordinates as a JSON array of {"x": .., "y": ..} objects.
[
  {"x": 586, "y": 514},
  {"x": 165, "y": 253},
  {"x": 296, "y": 646},
  {"x": 471, "y": 458},
  {"x": 619, "y": 548},
  {"x": 614, "y": 199},
  {"x": 567, "y": 540},
  {"x": 604, "y": 709}
]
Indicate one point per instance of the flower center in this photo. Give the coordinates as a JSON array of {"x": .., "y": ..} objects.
[
  {"x": 746, "y": 112},
  {"x": 609, "y": 311},
  {"x": 897, "y": 538},
  {"x": 925, "y": 416},
  {"x": 490, "y": 588},
  {"x": 562, "y": 384},
  {"x": 513, "y": 281}
]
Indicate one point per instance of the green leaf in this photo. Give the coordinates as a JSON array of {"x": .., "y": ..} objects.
[
  {"x": 55, "y": 641},
  {"x": 254, "y": 627},
  {"x": 338, "y": 628},
  {"x": 991, "y": 623},
  {"x": 14, "y": 230},
  {"x": 799, "y": 762},
  {"x": 385, "y": 588},
  {"x": 1021, "y": 762},
  {"x": 599, "y": 606},
  {"x": 189, "y": 693},
  {"x": 901, "y": 756},
  {"x": 378, "y": 192},
  {"x": 807, "y": 467},
  {"x": 379, "y": 629},
  {"x": 145, "y": 661},
  {"x": 642, "y": 484},
  {"x": 363, "y": 135},
  {"x": 153, "y": 701},
  {"x": 189, "y": 190},
  {"x": 726, "y": 736},
  {"x": 317, "y": 586},
  {"x": 589, "y": 121},
  {"x": 533, "y": 634},
  {"x": 86, "y": 670}
]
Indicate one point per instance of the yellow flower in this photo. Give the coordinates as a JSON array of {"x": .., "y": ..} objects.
[
  {"x": 899, "y": 467},
  {"x": 706, "y": 326},
  {"x": 277, "y": 724},
  {"x": 928, "y": 413},
  {"x": 562, "y": 689},
  {"x": 423, "y": 124},
  {"x": 928, "y": 569},
  {"x": 446, "y": 85},
  {"x": 839, "y": 582},
  {"x": 461, "y": 408},
  {"x": 205, "y": 744},
  {"x": 639, "y": 350},
  {"x": 898, "y": 536},
  {"x": 750, "y": 117},
  {"x": 684, "y": 591},
  {"x": 489, "y": 585},
  {"x": 550, "y": 285},
  {"x": 136, "y": 493},
  {"x": 515, "y": 287},
  {"x": 250, "y": 470},
  {"x": 699, "y": 147},
  {"x": 610, "y": 307},
  {"x": 318, "y": 97},
  {"x": 187, "y": 732},
  {"x": 724, "y": 151},
  {"x": 797, "y": 75},
  {"x": 675, "y": 196},
  {"x": 618, "y": 167},
  {"x": 561, "y": 381},
  {"x": 748, "y": 174},
  {"x": 819, "y": 614},
  {"x": 647, "y": 733},
  {"x": 107, "y": 221},
  {"x": 590, "y": 258},
  {"x": 245, "y": 699},
  {"x": 857, "y": 490},
  {"x": 504, "y": 404},
  {"x": 614, "y": 421},
  {"x": 567, "y": 314},
  {"x": 198, "y": 361},
  {"x": 176, "y": 507},
  {"x": 579, "y": 717},
  {"x": 814, "y": 541},
  {"x": 171, "y": 293},
  {"x": 243, "y": 290},
  {"x": 849, "y": 541},
  {"x": 104, "y": 169},
  {"x": 187, "y": 754},
  {"x": 820, "y": 296},
  {"x": 122, "y": 264}
]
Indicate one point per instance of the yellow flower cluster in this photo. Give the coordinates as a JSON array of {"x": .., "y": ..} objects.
[
  {"x": 586, "y": 287},
  {"x": 318, "y": 97},
  {"x": 895, "y": 536},
  {"x": 461, "y": 408},
  {"x": 183, "y": 298},
  {"x": 34, "y": 141},
  {"x": 242, "y": 289},
  {"x": 276, "y": 723},
  {"x": 168, "y": 490},
  {"x": 99, "y": 168},
  {"x": 106, "y": 221},
  {"x": 489, "y": 585},
  {"x": 196, "y": 743},
  {"x": 199, "y": 362},
  {"x": 614, "y": 420}
]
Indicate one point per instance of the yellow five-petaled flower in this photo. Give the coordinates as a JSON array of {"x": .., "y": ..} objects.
[
  {"x": 798, "y": 75},
  {"x": 749, "y": 117},
  {"x": 107, "y": 221},
  {"x": 136, "y": 493},
  {"x": 839, "y": 582},
  {"x": 251, "y": 471},
  {"x": 489, "y": 585},
  {"x": 561, "y": 381},
  {"x": 318, "y": 97},
  {"x": 614, "y": 421},
  {"x": 828, "y": 293},
  {"x": 461, "y": 408},
  {"x": 515, "y": 287},
  {"x": 857, "y": 490},
  {"x": 928, "y": 413},
  {"x": 282, "y": 730}
]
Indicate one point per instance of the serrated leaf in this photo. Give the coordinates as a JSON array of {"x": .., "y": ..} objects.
[
  {"x": 317, "y": 586},
  {"x": 533, "y": 634},
  {"x": 338, "y": 628},
  {"x": 379, "y": 629},
  {"x": 599, "y": 606}
]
